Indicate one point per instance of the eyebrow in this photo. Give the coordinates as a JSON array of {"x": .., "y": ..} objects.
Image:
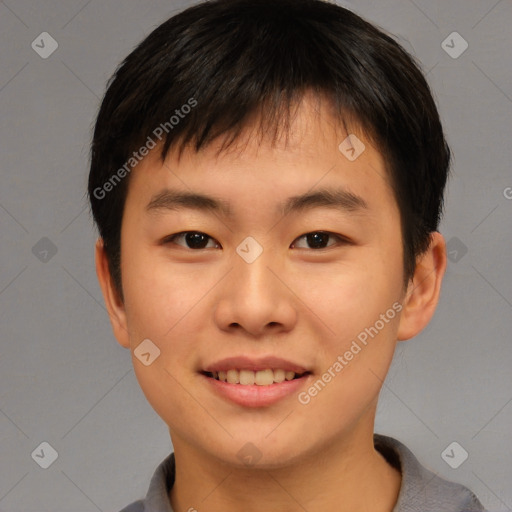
[{"x": 339, "y": 198}]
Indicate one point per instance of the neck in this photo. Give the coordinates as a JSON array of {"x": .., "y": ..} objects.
[{"x": 348, "y": 475}]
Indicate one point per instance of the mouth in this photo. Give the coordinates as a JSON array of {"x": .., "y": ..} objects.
[
  {"x": 267, "y": 377},
  {"x": 255, "y": 381},
  {"x": 255, "y": 389}
]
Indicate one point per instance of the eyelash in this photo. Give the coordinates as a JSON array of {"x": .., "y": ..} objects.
[{"x": 341, "y": 240}]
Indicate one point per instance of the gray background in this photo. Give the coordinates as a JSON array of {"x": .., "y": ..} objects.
[{"x": 64, "y": 379}]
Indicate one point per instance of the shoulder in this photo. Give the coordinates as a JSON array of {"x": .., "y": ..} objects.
[
  {"x": 422, "y": 489},
  {"x": 136, "y": 506},
  {"x": 157, "y": 496}
]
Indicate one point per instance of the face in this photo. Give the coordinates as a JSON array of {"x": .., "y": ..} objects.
[{"x": 301, "y": 260}]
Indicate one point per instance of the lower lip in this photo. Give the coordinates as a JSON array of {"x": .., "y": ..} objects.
[{"x": 254, "y": 395}]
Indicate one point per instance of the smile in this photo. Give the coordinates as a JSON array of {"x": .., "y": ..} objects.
[
  {"x": 260, "y": 378},
  {"x": 255, "y": 388}
]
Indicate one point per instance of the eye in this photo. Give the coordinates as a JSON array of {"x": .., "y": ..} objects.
[
  {"x": 193, "y": 239},
  {"x": 199, "y": 240},
  {"x": 318, "y": 239}
]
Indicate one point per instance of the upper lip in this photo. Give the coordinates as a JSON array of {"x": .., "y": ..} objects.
[{"x": 255, "y": 364}]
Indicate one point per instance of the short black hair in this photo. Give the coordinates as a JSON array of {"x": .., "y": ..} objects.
[{"x": 210, "y": 69}]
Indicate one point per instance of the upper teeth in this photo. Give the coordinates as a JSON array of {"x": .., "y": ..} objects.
[{"x": 248, "y": 377}]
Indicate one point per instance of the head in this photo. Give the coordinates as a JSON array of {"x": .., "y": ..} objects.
[{"x": 248, "y": 102}]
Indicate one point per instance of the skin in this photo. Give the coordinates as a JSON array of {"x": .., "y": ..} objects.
[{"x": 294, "y": 301}]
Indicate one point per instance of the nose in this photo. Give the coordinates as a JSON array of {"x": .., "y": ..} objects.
[{"x": 255, "y": 298}]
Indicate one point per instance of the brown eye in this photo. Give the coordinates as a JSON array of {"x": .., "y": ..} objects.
[
  {"x": 193, "y": 239},
  {"x": 319, "y": 239}
]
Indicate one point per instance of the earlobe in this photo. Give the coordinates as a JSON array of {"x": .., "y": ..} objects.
[
  {"x": 113, "y": 302},
  {"x": 424, "y": 289}
]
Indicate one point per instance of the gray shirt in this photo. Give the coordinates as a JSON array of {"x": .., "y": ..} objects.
[{"x": 421, "y": 490}]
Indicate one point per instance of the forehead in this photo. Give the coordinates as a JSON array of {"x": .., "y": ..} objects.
[{"x": 315, "y": 152}]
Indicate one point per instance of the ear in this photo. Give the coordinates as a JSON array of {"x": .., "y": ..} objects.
[
  {"x": 114, "y": 304},
  {"x": 424, "y": 288}
]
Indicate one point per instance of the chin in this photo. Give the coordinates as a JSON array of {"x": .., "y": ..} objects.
[{"x": 258, "y": 452}]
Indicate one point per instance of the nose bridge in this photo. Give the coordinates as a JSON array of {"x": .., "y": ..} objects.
[
  {"x": 255, "y": 298},
  {"x": 254, "y": 279}
]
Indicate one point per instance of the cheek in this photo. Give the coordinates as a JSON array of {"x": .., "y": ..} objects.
[
  {"x": 159, "y": 307},
  {"x": 346, "y": 297},
  {"x": 354, "y": 303},
  {"x": 154, "y": 296},
  {"x": 165, "y": 303}
]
